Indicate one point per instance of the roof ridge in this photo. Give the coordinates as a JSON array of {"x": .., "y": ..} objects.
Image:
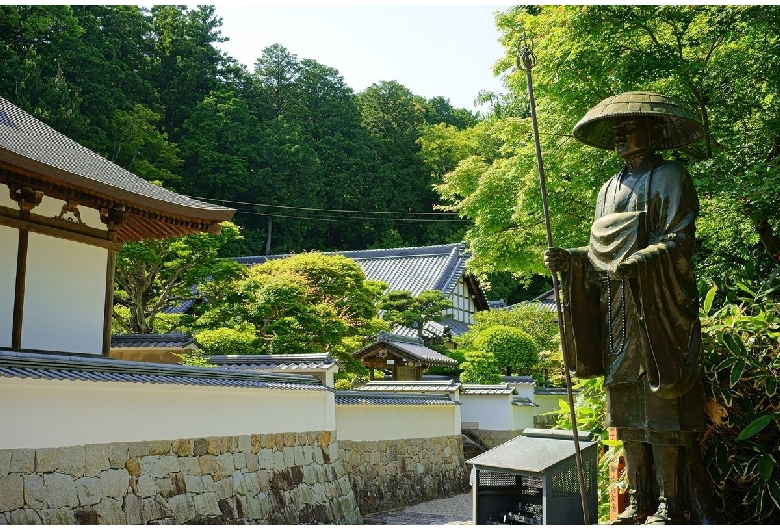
[
  {"x": 373, "y": 252},
  {"x": 45, "y": 361}
]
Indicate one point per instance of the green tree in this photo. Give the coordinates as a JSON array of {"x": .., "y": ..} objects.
[
  {"x": 512, "y": 349},
  {"x": 402, "y": 308},
  {"x": 186, "y": 65},
  {"x": 227, "y": 341},
  {"x": 707, "y": 57},
  {"x": 305, "y": 303},
  {"x": 154, "y": 275},
  {"x": 138, "y": 146},
  {"x": 480, "y": 368}
]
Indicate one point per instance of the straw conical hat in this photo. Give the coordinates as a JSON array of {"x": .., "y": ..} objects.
[{"x": 680, "y": 126}]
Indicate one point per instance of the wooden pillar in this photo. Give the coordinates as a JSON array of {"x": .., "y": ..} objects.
[
  {"x": 27, "y": 199},
  {"x": 108, "y": 308},
  {"x": 112, "y": 219},
  {"x": 21, "y": 274},
  {"x": 617, "y": 498}
]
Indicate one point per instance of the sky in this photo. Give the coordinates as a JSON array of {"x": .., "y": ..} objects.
[{"x": 433, "y": 50}]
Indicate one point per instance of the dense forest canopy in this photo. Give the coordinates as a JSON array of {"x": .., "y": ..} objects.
[{"x": 308, "y": 163}]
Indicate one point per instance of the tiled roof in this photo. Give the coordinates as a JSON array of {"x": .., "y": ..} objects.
[
  {"x": 519, "y": 401},
  {"x": 433, "y": 329},
  {"x": 29, "y": 144},
  {"x": 101, "y": 369},
  {"x": 534, "y": 452},
  {"x": 298, "y": 361},
  {"x": 411, "y": 386},
  {"x": 544, "y": 300},
  {"x": 518, "y": 379},
  {"x": 152, "y": 340},
  {"x": 414, "y": 269},
  {"x": 553, "y": 391},
  {"x": 487, "y": 389},
  {"x": 410, "y": 349},
  {"x": 356, "y": 397}
]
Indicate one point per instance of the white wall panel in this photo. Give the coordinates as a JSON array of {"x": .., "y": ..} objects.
[
  {"x": 9, "y": 242},
  {"x": 64, "y": 296},
  {"x": 49, "y": 413},
  {"x": 360, "y": 423},
  {"x": 491, "y": 412}
]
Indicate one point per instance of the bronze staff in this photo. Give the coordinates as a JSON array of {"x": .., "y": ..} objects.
[{"x": 529, "y": 61}]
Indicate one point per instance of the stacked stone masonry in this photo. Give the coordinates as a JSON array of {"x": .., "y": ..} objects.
[
  {"x": 289, "y": 478},
  {"x": 390, "y": 474}
]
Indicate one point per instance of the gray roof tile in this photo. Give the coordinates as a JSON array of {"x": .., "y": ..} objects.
[
  {"x": 487, "y": 389},
  {"x": 101, "y": 369},
  {"x": 298, "y": 361},
  {"x": 519, "y": 401},
  {"x": 152, "y": 340},
  {"x": 24, "y": 135},
  {"x": 414, "y": 269},
  {"x": 356, "y": 397},
  {"x": 518, "y": 379},
  {"x": 532, "y": 453},
  {"x": 38, "y": 150},
  {"x": 553, "y": 391},
  {"x": 411, "y": 386}
]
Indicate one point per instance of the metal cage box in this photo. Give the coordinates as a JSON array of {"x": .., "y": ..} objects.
[{"x": 533, "y": 479}]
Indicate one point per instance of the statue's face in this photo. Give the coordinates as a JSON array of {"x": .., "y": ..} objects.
[{"x": 632, "y": 137}]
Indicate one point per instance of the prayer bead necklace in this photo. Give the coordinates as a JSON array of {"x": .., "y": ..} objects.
[{"x": 612, "y": 349}]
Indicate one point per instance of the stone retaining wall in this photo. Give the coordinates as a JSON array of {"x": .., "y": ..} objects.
[
  {"x": 289, "y": 478},
  {"x": 389, "y": 474}
]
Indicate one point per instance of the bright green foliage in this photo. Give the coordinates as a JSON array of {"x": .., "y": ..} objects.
[
  {"x": 305, "y": 303},
  {"x": 590, "y": 412},
  {"x": 157, "y": 274},
  {"x": 194, "y": 358},
  {"x": 536, "y": 321},
  {"x": 480, "y": 368},
  {"x": 227, "y": 341},
  {"x": 718, "y": 60},
  {"x": 150, "y": 90},
  {"x": 513, "y": 349},
  {"x": 401, "y": 307},
  {"x": 138, "y": 146},
  {"x": 741, "y": 346}
]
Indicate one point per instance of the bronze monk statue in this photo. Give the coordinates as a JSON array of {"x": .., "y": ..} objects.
[{"x": 630, "y": 305}]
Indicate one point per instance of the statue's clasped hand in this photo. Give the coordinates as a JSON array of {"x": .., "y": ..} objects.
[
  {"x": 625, "y": 269},
  {"x": 557, "y": 259}
]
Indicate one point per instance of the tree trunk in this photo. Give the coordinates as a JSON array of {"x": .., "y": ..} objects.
[{"x": 770, "y": 241}]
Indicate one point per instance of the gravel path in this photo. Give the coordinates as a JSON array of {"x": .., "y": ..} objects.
[{"x": 449, "y": 510}]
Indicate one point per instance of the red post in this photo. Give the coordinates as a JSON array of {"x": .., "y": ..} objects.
[{"x": 617, "y": 498}]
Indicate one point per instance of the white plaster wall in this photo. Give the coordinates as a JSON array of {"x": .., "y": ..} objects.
[
  {"x": 51, "y": 207},
  {"x": 526, "y": 391},
  {"x": 5, "y": 198},
  {"x": 64, "y": 296},
  {"x": 44, "y": 413},
  {"x": 492, "y": 412},
  {"x": 548, "y": 403},
  {"x": 362, "y": 423},
  {"x": 522, "y": 417},
  {"x": 9, "y": 242}
]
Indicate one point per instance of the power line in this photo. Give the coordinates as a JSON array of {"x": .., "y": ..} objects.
[
  {"x": 320, "y": 209},
  {"x": 335, "y": 219}
]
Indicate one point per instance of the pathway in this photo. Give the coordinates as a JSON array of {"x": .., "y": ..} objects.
[{"x": 455, "y": 510}]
